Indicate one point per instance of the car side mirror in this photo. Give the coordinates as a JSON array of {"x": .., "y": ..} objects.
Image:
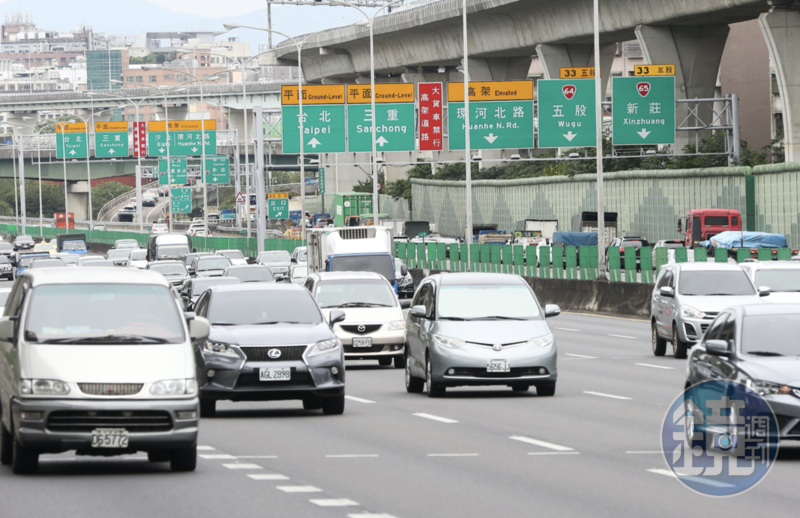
[
  {"x": 199, "y": 328},
  {"x": 551, "y": 310},
  {"x": 717, "y": 347},
  {"x": 294, "y": 260},
  {"x": 405, "y": 304},
  {"x": 666, "y": 291},
  {"x": 763, "y": 291},
  {"x": 418, "y": 311},
  {"x": 337, "y": 315},
  {"x": 7, "y": 328},
  {"x": 680, "y": 225}
]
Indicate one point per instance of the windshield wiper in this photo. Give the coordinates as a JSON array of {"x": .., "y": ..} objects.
[
  {"x": 274, "y": 322},
  {"x": 764, "y": 353},
  {"x": 452, "y": 318},
  {"x": 359, "y": 305},
  {"x": 120, "y": 339},
  {"x": 497, "y": 317}
]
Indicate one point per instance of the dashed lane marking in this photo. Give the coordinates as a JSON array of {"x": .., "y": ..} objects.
[
  {"x": 436, "y": 418},
  {"x": 268, "y": 476},
  {"x": 300, "y": 489},
  {"x": 554, "y": 453},
  {"x": 624, "y": 336},
  {"x": 370, "y": 515},
  {"x": 333, "y": 502},
  {"x": 242, "y": 466},
  {"x": 256, "y": 456},
  {"x": 205, "y": 448},
  {"x": 352, "y": 456},
  {"x": 699, "y": 480},
  {"x": 655, "y": 366},
  {"x": 581, "y": 356},
  {"x": 568, "y": 329},
  {"x": 543, "y": 444},
  {"x": 453, "y": 454},
  {"x": 217, "y": 456},
  {"x": 612, "y": 396},
  {"x": 653, "y": 452},
  {"x": 358, "y": 399}
]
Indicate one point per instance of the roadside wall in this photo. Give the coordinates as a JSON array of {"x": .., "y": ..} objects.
[{"x": 777, "y": 200}]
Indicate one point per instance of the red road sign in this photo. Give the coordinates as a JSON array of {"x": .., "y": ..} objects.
[
  {"x": 569, "y": 91},
  {"x": 430, "y": 117},
  {"x": 643, "y": 89},
  {"x": 239, "y": 198},
  {"x": 139, "y": 139}
]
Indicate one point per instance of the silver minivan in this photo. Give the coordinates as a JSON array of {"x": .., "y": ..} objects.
[{"x": 97, "y": 361}]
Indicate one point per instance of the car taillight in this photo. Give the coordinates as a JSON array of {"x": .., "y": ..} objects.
[{"x": 621, "y": 250}]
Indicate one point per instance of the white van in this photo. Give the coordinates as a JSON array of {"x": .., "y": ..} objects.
[{"x": 99, "y": 361}]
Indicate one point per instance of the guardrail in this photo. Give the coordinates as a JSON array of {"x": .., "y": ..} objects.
[{"x": 119, "y": 200}]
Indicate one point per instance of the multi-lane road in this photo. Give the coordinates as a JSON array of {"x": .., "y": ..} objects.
[
  {"x": 592, "y": 450},
  {"x": 151, "y": 213}
]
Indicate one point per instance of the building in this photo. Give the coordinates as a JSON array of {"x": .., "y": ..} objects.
[{"x": 104, "y": 68}]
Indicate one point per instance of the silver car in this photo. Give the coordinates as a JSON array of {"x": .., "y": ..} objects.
[
  {"x": 781, "y": 277},
  {"x": 479, "y": 329},
  {"x": 688, "y": 296}
]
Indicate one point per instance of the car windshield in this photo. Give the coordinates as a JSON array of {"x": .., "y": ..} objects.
[
  {"x": 779, "y": 280},
  {"x": 74, "y": 313},
  {"x": 24, "y": 239},
  {"x": 115, "y": 254},
  {"x": 139, "y": 255},
  {"x": 249, "y": 307},
  {"x": 212, "y": 263},
  {"x": 73, "y": 245},
  {"x": 6, "y": 246},
  {"x": 201, "y": 285},
  {"x": 70, "y": 258},
  {"x": 233, "y": 254},
  {"x": 382, "y": 264},
  {"x": 189, "y": 259},
  {"x": 355, "y": 293},
  {"x": 280, "y": 256},
  {"x": 47, "y": 263},
  {"x": 169, "y": 268},
  {"x": 301, "y": 254},
  {"x": 172, "y": 251},
  {"x": 127, "y": 244},
  {"x": 300, "y": 271},
  {"x": 489, "y": 301},
  {"x": 252, "y": 274},
  {"x": 26, "y": 260},
  {"x": 636, "y": 244},
  {"x": 771, "y": 335},
  {"x": 723, "y": 283}
]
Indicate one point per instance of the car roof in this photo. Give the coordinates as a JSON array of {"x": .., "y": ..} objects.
[
  {"x": 454, "y": 279},
  {"x": 772, "y": 265},
  {"x": 750, "y": 310},
  {"x": 92, "y": 275},
  {"x": 332, "y": 276},
  {"x": 694, "y": 267},
  {"x": 257, "y": 286},
  {"x": 166, "y": 261},
  {"x": 246, "y": 267}
]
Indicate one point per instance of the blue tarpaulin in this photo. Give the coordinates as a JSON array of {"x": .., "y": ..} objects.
[
  {"x": 735, "y": 239},
  {"x": 575, "y": 238}
]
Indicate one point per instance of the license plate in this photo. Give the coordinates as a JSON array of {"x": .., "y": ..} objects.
[
  {"x": 362, "y": 341},
  {"x": 498, "y": 366},
  {"x": 274, "y": 374},
  {"x": 109, "y": 438}
]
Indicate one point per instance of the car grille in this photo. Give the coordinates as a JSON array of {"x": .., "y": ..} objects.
[
  {"x": 368, "y": 328},
  {"x": 492, "y": 345},
  {"x": 516, "y": 372},
  {"x": 261, "y": 354},
  {"x": 135, "y": 421},
  {"x": 111, "y": 389},
  {"x": 298, "y": 379},
  {"x": 348, "y": 349}
]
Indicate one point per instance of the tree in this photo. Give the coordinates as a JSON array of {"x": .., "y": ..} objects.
[{"x": 106, "y": 192}]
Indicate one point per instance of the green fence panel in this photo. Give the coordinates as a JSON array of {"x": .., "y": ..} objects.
[
  {"x": 682, "y": 255},
  {"x": 662, "y": 257},
  {"x": 646, "y": 261},
  {"x": 784, "y": 254},
  {"x": 421, "y": 259},
  {"x": 474, "y": 257},
  {"x": 544, "y": 262},
  {"x": 402, "y": 252},
  {"x": 558, "y": 262},
  {"x": 496, "y": 250},
  {"x": 485, "y": 258},
  {"x": 630, "y": 264},
  {"x": 430, "y": 256},
  {"x": 571, "y": 268},
  {"x": 765, "y": 254},
  {"x": 700, "y": 255},
  {"x": 531, "y": 262},
  {"x": 441, "y": 255},
  {"x": 720, "y": 255},
  {"x": 518, "y": 258},
  {"x": 506, "y": 257},
  {"x": 614, "y": 270}
]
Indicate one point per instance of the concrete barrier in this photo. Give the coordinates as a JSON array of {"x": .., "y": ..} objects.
[{"x": 601, "y": 296}]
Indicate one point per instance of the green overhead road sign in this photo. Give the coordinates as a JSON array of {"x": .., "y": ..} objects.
[
  {"x": 323, "y": 128},
  {"x": 321, "y": 184},
  {"x": 71, "y": 140},
  {"x": 394, "y": 127},
  {"x": 278, "y": 208},
  {"x": 177, "y": 174},
  {"x": 643, "y": 110},
  {"x": 110, "y": 139},
  {"x": 181, "y": 199},
  {"x": 217, "y": 169},
  {"x": 184, "y": 138},
  {"x": 567, "y": 113}
]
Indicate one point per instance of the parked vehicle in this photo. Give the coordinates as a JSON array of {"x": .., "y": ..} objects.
[
  {"x": 362, "y": 249},
  {"x": 703, "y": 224}
]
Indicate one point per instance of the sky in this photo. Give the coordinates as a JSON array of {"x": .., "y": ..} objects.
[{"x": 209, "y": 8}]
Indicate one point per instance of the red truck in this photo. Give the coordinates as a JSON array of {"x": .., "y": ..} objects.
[
  {"x": 62, "y": 220},
  {"x": 703, "y": 224}
]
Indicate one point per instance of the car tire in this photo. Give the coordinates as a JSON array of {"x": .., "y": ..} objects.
[
  {"x": 679, "y": 347},
  {"x": 385, "y": 362},
  {"x": 5, "y": 446},
  {"x": 413, "y": 385},
  {"x": 312, "y": 403},
  {"x": 400, "y": 362},
  {"x": 546, "y": 389},
  {"x": 520, "y": 388},
  {"x": 434, "y": 389},
  {"x": 659, "y": 344},
  {"x": 184, "y": 459},
  {"x": 208, "y": 408},
  {"x": 23, "y": 460},
  {"x": 333, "y": 405},
  {"x": 158, "y": 456}
]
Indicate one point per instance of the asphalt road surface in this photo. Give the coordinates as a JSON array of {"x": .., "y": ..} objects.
[
  {"x": 151, "y": 213},
  {"x": 592, "y": 450}
]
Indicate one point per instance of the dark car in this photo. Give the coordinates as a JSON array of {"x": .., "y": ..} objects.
[
  {"x": 209, "y": 266},
  {"x": 278, "y": 261},
  {"x": 250, "y": 273},
  {"x": 7, "y": 249},
  {"x": 405, "y": 284},
  {"x": 269, "y": 342},
  {"x": 628, "y": 242},
  {"x": 193, "y": 288},
  {"x": 189, "y": 259},
  {"x": 175, "y": 271},
  {"x": 23, "y": 243},
  {"x": 6, "y": 268},
  {"x": 755, "y": 344}
]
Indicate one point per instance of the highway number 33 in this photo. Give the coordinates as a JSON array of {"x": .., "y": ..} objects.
[
  {"x": 109, "y": 438},
  {"x": 275, "y": 374},
  {"x": 498, "y": 366}
]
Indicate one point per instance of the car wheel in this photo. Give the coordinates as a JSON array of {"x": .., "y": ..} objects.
[
  {"x": 312, "y": 403},
  {"x": 208, "y": 408},
  {"x": 184, "y": 459},
  {"x": 413, "y": 385},
  {"x": 434, "y": 389},
  {"x": 400, "y": 362},
  {"x": 659, "y": 344},
  {"x": 520, "y": 388},
  {"x": 385, "y": 362},
  {"x": 5, "y": 446},
  {"x": 23, "y": 460},
  {"x": 333, "y": 405},
  {"x": 546, "y": 389},
  {"x": 158, "y": 456},
  {"x": 679, "y": 347}
]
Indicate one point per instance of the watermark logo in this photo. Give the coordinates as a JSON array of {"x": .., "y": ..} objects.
[{"x": 720, "y": 438}]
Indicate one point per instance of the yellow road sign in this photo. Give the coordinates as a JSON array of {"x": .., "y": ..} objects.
[
  {"x": 78, "y": 127},
  {"x": 210, "y": 125},
  {"x": 384, "y": 93},
  {"x": 278, "y": 195},
  {"x": 313, "y": 94},
  {"x": 577, "y": 73},
  {"x": 654, "y": 70},
  {"x": 101, "y": 127},
  {"x": 491, "y": 91}
]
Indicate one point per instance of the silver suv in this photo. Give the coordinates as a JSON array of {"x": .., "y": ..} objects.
[{"x": 688, "y": 296}]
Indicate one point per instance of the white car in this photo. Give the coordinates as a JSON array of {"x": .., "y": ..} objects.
[
  {"x": 781, "y": 277},
  {"x": 159, "y": 228},
  {"x": 374, "y": 327},
  {"x": 236, "y": 257},
  {"x": 200, "y": 232},
  {"x": 138, "y": 259},
  {"x": 194, "y": 227}
]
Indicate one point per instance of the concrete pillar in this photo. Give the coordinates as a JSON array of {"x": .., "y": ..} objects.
[
  {"x": 781, "y": 28},
  {"x": 78, "y": 199},
  {"x": 176, "y": 113},
  {"x": 696, "y": 52},
  {"x": 556, "y": 57},
  {"x": 22, "y": 122}
]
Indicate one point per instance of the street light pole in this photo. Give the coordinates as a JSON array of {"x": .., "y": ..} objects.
[
  {"x": 467, "y": 150},
  {"x": 601, "y": 215}
]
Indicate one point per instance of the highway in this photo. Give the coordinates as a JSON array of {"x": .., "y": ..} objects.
[
  {"x": 592, "y": 450},
  {"x": 151, "y": 213}
]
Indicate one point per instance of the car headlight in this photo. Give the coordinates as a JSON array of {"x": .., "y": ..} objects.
[
  {"x": 767, "y": 388},
  {"x": 43, "y": 387},
  {"x": 323, "y": 347},
  {"x": 220, "y": 348},
  {"x": 690, "y": 312},
  {"x": 179, "y": 387},
  {"x": 396, "y": 325},
  {"x": 542, "y": 341},
  {"x": 449, "y": 343}
]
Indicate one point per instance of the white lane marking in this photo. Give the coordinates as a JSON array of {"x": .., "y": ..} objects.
[
  {"x": 554, "y": 453},
  {"x": 370, "y": 515},
  {"x": 205, "y": 448},
  {"x": 355, "y": 456},
  {"x": 358, "y": 399},
  {"x": 699, "y": 480},
  {"x": 453, "y": 454},
  {"x": 436, "y": 418},
  {"x": 568, "y": 329},
  {"x": 268, "y": 476},
  {"x": 242, "y": 466},
  {"x": 217, "y": 456},
  {"x": 655, "y": 366},
  {"x": 626, "y": 357},
  {"x": 644, "y": 452},
  {"x": 543, "y": 444},
  {"x": 158, "y": 207},
  {"x": 623, "y": 336},
  {"x": 333, "y": 502},
  {"x": 256, "y": 456},
  {"x": 300, "y": 489},
  {"x": 582, "y": 356},
  {"x": 612, "y": 396}
]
